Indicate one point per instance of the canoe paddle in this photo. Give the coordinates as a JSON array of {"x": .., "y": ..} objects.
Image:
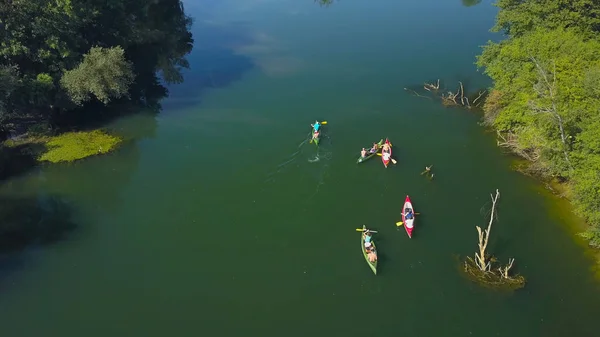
[
  {"x": 393, "y": 160},
  {"x": 361, "y": 230}
]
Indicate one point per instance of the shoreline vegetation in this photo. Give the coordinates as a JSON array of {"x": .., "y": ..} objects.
[
  {"x": 67, "y": 146},
  {"x": 545, "y": 101},
  {"x": 544, "y": 104},
  {"x": 56, "y": 86}
]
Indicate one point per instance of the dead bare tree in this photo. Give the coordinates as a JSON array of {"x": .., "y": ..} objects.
[
  {"x": 484, "y": 237},
  {"x": 510, "y": 141},
  {"x": 414, "y": 93},
  {"x": 504, "y": 270},
  {"x": 547, "y": 90},
  {"x": 481, "y": 93},
  {"x": 480, "y": 268},
  {"x": 451, "y": 98},
  {"x": 432, "y": 87}
]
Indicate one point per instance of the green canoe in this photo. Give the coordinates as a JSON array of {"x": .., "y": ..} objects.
[
  {"x": 373, "y": 265},
  {"x": 369, "y": 155}
]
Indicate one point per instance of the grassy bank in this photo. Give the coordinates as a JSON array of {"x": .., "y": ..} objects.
[{"x": 66, "y": 147}]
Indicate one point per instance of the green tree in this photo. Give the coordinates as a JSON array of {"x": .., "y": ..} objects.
[
  {"x": 104, "y": 74},
  {"x": 9, "y": 82},
  {"x": 516, "y": 17},
  {"x": 545, "y": 104},
  {"x": 48, "y": 39},
  {"x": 544, "y": 99}
]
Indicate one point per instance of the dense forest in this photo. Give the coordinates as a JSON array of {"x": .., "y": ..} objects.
[
  {"x": 64, "y": 62},
  {"x": 545, "y": 102}
]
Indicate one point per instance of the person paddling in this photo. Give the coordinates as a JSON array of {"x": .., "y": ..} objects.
[
  {"x": 386, "y": 148},
  {"x": 374, "y": 148},
  {"x": 385, "y": 152},
  {"x": 409, "y": 214},
  {"x": 316, "y": 126}
]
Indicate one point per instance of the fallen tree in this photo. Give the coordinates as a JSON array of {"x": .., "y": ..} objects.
[
  {"x": 450, "y": 98},
  {"x": 482, "y": 270}
]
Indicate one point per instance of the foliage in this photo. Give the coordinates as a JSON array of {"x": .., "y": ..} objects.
[
  {"x": 104, "y": 73},
  {"x": 9, "y": 82},
  {"x": 65, "y": 51},
  {"x": 517, "y": 17},
  {"x": 72, "y": 146},
  {"x": 545, "y": 102}
]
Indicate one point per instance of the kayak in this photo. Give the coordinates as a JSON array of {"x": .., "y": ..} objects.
[
  {"x": 387, "y": 161},
  {"x": 408, "y": 223},
  {"x": 369, "y": 154},
  {"x": 373, "y": 265}
]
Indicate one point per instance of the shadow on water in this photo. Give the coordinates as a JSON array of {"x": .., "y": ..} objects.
[
  {"x": 325, "y": 3},
  {"x": 470, "y": 3},
  {"x": 18, "y": 159},
  {"x": 29, "y": 221}
]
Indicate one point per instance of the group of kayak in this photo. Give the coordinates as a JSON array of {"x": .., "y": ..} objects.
[
  {"x": 386, "y": 152},
  {"x": 367, "y": 243},
  {"x": 383, "y": 149}
]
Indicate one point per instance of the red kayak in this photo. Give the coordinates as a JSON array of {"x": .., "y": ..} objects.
[
  {"x": 410, "y": 221},
  {"x": 386, "y": 160}
]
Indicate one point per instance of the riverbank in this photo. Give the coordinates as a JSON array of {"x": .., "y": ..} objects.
[
  {"x": 562, "y": 194},
  {"x": 545, "y": 96},
  {"x": 65, "y": 147}
]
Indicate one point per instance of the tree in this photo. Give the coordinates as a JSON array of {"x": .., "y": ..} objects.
[
  {"x": 103, "y": 73},
  {"x": 545, "y": 103},
  {"x": 481, "y": 269},
  {"x": 9, "y": 82},
  {"x": 542, "y": 102},
  {"x": 517, "y": 17},
  {"x": 46, "y": 40}
]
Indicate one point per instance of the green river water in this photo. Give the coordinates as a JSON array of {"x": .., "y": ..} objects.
[{"x": 219, "y": 219}]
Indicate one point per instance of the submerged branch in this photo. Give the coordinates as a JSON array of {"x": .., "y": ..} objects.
[{"x": 451, "y": 98}]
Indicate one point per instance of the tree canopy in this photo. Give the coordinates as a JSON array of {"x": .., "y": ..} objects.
[
  {"x": 56, "y": 56},
  {"x": 545, "y": 101},
  {"x": 517, "y": 17}
]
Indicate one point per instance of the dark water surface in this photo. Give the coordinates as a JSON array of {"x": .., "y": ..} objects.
[{"x": 221, "y": 220}]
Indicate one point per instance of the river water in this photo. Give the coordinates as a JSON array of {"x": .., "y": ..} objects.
[{"x": 219, "y": 218}]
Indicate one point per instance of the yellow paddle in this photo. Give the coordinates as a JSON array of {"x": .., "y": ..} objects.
[
  {"x": 393, "y": 160},
  {"x": 361, "y": 230}
]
